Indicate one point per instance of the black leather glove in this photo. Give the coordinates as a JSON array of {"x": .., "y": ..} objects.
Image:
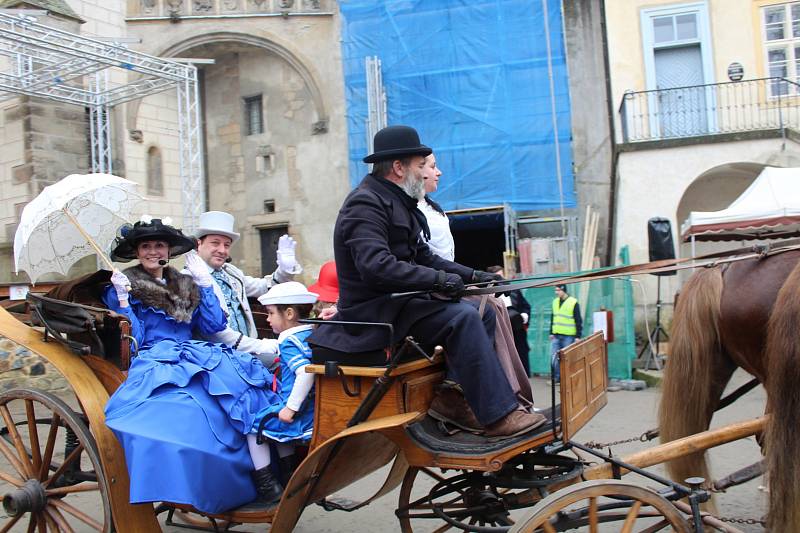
[
  {"x": 449, "y": 284},
  {"x": 479, "y": 276}
]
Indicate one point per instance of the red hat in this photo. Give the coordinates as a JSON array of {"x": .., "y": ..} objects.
[{"x": 327, "y": 286}]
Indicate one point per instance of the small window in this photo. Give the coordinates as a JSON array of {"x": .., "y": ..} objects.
[
  {"x": 671, "y": 28},
  {"x": 155, "y": 180},
  {"x": 773, "y": 22},
  {"x": 686, "y": 26},
  {"x": 663, "y": 31},
  {"x": 254, "y": 115},
  {"x": 782, "y": 39}
]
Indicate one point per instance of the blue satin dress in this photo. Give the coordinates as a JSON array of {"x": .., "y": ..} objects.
[
  {"x": 184, "y": 410},
  {"x": 294, "y": 354}
]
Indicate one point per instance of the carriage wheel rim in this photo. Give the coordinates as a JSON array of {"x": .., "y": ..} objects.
[
  {"x": 34, "y": 474},
  {"x": 553, "y": 504}
]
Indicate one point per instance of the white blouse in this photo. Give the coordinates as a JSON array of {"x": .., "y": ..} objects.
[{"x": 441, "y": 242}]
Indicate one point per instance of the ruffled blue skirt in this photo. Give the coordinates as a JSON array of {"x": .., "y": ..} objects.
[
  {"x": 182, "y": 416},
  {"x": 299, "y": 429}
]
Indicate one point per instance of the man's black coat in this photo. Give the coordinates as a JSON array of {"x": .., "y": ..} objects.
[{"x": 378, "y": 251}]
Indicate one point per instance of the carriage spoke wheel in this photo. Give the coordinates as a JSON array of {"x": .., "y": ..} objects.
[
  {"x": 587, "y": 505},
  {"x": 51, "y": 478},
  {"x": 455, "y": 501}
]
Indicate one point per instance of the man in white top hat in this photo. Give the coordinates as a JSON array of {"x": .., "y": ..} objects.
[{"x": 215, "y": 236}]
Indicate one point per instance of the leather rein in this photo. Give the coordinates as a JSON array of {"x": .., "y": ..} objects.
[{"x": 653, "y": 267}]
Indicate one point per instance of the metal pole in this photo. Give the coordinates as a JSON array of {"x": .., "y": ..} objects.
[{"x": 554, "y": 118}]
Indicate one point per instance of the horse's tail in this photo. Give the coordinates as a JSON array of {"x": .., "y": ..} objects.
[
  {"x": 783, "y": 401},
  {"x": 687, "y": 401}
]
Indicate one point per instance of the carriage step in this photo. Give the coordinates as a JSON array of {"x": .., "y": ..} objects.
[{"x": 430, "y": 434}]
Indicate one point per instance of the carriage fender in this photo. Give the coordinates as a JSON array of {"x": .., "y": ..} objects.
[
  {"x": 93, "y": 397},
  {"x": 338, "y": 462}
]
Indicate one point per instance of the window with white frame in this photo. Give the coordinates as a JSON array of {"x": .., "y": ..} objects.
[
  {"x": 672, "y": 29},
  {"x": 781, "y": 31}
]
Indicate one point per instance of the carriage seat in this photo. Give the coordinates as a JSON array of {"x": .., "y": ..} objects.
[
  {"x": 73, "y": 313},
  {"x": 374, "y": 358},
  {"x": 321, "y": 355}
]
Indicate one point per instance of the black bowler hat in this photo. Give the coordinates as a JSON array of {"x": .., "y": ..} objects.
[
  {"x": 155, "y": 230},
  {"x": 394, "y": 142}
]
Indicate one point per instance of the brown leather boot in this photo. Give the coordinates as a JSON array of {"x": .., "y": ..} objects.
[
  {"x": 515, "y": 423},
  {"x": 450, "y": 406}
]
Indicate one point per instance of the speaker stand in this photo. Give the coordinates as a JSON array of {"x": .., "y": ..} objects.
[{"x": 656, "y": 335}]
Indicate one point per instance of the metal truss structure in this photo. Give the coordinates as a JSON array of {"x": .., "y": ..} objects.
[{"x": 64, "y": 67}]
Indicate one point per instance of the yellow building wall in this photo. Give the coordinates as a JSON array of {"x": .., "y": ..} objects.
[{"x": 735, "y": 36}]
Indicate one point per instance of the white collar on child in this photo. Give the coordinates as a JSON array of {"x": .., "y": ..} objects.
[{"x": 291, "y": 331}]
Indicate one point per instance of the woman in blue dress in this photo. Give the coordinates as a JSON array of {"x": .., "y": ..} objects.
[
  {"x": 290, "y": 421},
  {"x": 185, "y": 412}
]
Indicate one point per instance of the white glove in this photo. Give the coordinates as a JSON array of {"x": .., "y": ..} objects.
[
  {"x": 287, "y": 262},
  {"x": 525, "y": 318},
  {"x": 198, "y": 269},
  {"x": 268, "y": 347},
  {"x": 121, "y": 285},
  {"x": 328, "y": 313}
]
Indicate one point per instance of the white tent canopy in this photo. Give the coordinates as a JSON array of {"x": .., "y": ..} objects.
[{"x": 768, "y": 209}]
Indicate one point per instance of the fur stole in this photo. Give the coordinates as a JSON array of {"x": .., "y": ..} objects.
[{"x": 178, "y": 298}]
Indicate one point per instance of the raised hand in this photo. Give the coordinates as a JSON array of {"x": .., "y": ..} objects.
[
  {"x": 287, "y": 261},
  {"x": 122, "y": 285}
]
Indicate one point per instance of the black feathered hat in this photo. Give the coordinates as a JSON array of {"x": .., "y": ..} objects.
[
  {"x": 395, "y": 142},
  {"x": 129, "y": 237}
]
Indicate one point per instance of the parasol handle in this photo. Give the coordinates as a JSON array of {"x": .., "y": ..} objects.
[{"x": 89, "y": 239}]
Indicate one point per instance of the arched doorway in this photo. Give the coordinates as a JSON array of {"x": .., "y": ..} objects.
[
  {"x": 264, "y": 118},
  {"x": 713, "y": 190}
]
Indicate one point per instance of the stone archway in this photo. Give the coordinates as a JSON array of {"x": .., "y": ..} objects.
[
  {"x": 320, "y": 125},
  {"x": 713, "y": 190}
]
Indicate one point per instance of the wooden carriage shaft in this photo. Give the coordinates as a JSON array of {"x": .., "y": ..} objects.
[
  {"x": 699, "y": 442},
  {"x": 682, "y": 447}
]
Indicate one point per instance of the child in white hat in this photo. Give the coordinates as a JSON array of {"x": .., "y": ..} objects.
[{"x": 287, "y": 304}]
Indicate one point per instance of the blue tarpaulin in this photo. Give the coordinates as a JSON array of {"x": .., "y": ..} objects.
[{"x": 472, "y": 77}]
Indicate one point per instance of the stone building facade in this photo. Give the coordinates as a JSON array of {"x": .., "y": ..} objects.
[
  {"x": 273, "y": 114},
  {"x": 273, "y": 118}
]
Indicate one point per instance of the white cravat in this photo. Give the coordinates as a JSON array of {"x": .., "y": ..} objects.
[{"x": 441, "y": 243}]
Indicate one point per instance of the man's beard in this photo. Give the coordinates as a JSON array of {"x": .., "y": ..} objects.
[{"x": 412, "y": 186}]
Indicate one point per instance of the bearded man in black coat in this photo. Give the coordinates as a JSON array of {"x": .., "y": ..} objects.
[{"x": 378, "y": 250}]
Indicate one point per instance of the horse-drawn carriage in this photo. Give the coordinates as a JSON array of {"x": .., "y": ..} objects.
[{"x": 58, "y": 460}]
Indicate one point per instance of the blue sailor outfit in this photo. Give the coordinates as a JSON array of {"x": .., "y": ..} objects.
[
  {"x": 183, "y": 412},
  {"x": 294, "y": 355}
]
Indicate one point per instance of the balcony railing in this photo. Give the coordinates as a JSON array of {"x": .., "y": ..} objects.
[{"x": 717, "y": 108}]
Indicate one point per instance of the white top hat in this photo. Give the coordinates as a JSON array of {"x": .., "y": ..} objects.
[
  {"x": 216, "y": 223},
  {"x": 291, "y": 292}
]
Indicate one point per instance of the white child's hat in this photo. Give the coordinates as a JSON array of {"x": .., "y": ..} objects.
[{"x": 291, "y": 292}]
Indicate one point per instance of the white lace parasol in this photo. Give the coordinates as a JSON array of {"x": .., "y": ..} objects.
[{"x": 71, "y": 219}]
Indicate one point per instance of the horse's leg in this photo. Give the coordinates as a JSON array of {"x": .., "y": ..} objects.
[{"x": 697, "y": 370}]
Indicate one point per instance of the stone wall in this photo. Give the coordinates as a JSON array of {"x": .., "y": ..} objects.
[
  {"x": 20, "y": 368},
  {"x": 591, "y": 131}
]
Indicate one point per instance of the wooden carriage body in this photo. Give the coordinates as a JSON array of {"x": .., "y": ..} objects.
[{"x": 341, "y": 452}]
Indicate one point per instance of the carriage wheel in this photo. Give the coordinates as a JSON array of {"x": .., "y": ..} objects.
[
  {"x": 51, "y": 478},
  {"x": 480, "y": 501},
  {"x": 585, "y": 506},
  {"x": 460, "y": 499}
]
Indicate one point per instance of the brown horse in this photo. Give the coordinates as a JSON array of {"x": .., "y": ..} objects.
[{"x": 724, "y": 319}]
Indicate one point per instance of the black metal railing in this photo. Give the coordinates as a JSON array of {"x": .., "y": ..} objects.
[{"x": 716, "y": 108}]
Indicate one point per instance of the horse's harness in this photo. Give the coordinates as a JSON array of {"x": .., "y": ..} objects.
[{"x": 718, "y": 259}]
